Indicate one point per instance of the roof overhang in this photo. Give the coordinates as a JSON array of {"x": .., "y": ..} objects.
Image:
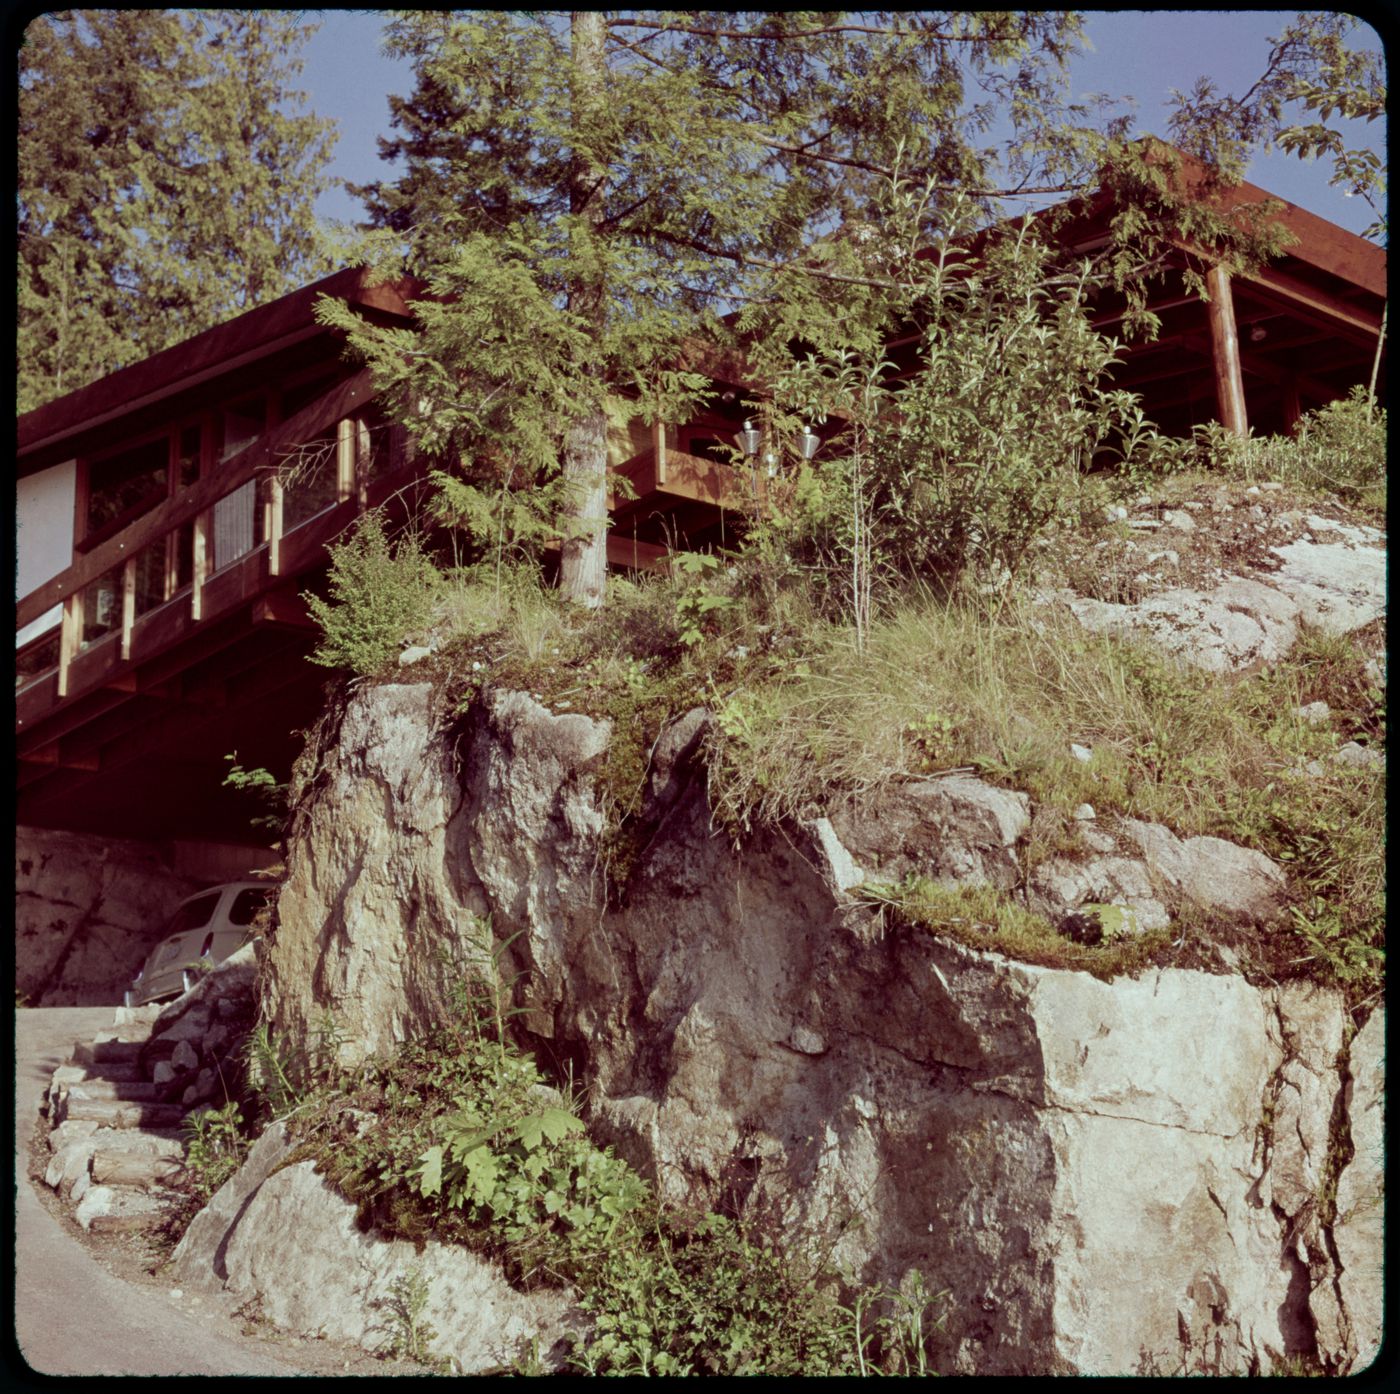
[{"x": 58, "y": 429}]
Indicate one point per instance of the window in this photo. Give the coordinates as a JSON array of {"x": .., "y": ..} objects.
[
  {"x": 194, "y": 914},
  {"x": 123, "y": 485},
  {"x": 246, "y": 906}
]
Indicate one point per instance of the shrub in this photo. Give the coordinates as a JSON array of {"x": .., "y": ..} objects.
[
  {"x": 379, "y": 593},
  {"x": 984, "y": 445},
  {"x": 1339, "y": 450}
]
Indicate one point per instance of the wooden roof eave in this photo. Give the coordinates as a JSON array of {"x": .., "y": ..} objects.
[
  {"x": 1316, "y": 242},
  {"x": 45, "y": 433}
]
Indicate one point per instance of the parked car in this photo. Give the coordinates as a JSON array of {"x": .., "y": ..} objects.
[{"x": 204, "y": 931}]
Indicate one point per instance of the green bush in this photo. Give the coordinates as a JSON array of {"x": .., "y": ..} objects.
[
  {"x": 1337, "y": 450},
  {"x": 379, "y": 594},
  {"x": 983, "y": 445}
]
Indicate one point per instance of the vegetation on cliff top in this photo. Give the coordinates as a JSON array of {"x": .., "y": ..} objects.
[{"x": 992, "y": 679}]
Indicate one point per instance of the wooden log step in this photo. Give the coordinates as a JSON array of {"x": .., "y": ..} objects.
[
  {"x": 119, "y": 1113},
  {"x": 127, "y": 1166},
  {"x": 126, "y": 1221}
]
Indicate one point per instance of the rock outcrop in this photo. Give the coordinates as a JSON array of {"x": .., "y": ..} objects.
[
  {"x": 338, "y": 1281},
  {"x": 1329, "y": 574},
  {"x": 1107, "y": 1177}
]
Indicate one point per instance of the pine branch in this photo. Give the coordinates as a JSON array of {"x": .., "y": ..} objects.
[{"x": 896, "y": 32}]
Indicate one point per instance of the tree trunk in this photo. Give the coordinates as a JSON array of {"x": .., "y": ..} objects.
[
  {"x": 584, "y": 552},
  {"x": 584, "y": 556}
]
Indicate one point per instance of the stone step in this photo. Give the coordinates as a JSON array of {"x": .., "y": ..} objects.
[
  {"x": 125, "y": 1166},
  {"x": 100, "y": 1052},
  {"x": 130, "y": 1033},
  {"x": 118, "y": 1113},
  {"x": 128, "y": 1071},
  {"x": 130, "y": 1090},
  {"x": 126, "y": 1017}
]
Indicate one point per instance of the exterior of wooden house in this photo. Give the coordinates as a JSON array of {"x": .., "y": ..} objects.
[{"x": 171, "y": 514}]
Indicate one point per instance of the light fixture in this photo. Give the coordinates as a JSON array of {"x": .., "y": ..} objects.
[
  {"x": 749, "y": 439},
  {"x": 807, "y": 443}
]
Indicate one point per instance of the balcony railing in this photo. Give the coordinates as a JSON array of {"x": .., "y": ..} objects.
[{"x": 266, "y": 512}]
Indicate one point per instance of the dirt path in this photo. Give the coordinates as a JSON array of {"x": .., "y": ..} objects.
[{"x": 89, "y": 1305}]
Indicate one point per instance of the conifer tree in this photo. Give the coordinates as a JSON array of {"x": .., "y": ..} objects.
[
  {"x": 584, "y": 191},
  {"x": 163, "y": 188}
]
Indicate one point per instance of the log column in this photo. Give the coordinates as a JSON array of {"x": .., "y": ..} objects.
[{"x": 1225, "y": 351}]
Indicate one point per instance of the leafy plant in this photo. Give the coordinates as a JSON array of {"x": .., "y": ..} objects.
[
  {"x": 963, "y": 459},
  {"x": 411, "y": 1334},
  {"x": 214, "y": 1148},
  {"x": 263, "y": 785},
  {"x": 1333, "y": 946},
  {"x": 1340, "y": 450},
  {"x": 379, "y": 593},
  {"x": 282, "y": 1079},
  {"x": 931, "y": 736},
  {"x": 696, "y": 602}
]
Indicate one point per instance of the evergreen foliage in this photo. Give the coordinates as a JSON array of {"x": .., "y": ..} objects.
[
  {"x": 587, "y": 195},
  {"x": 582, "y": 200},
  {"x": 379, "y": 592},
  {"x": 163, "y": 188}
]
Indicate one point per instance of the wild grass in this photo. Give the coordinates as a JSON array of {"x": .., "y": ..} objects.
[{"x": 1004, "y": 684}]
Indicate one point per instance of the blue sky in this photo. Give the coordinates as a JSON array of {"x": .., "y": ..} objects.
[{"x": 1141, "y": 54}]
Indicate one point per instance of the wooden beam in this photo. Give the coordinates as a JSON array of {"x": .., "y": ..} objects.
[
  {"x": 1312, "y": 306},
  {"x": 232, "y": 474},
  {"x": 1225, "y": 346},
  {"x": 344, "y": 460},
  {"x": 55, "y": 755},
  {"x": 658, "y": 444},
  {"x": 200, "y": 567},
  {"x": 275, "y": 504},
  {"x": 364, "y": 450},
  {"x": 630, "y": 553},
  {"x": 286, "y": 609},
  {"x": 282, "y": 324}
]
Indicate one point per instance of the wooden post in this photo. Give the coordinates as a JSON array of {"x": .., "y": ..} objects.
[
  {"x": 344, "y": 460},
  {"x": 658, "y": 440},
  {"x": 274, "y": 525},
  {"x": 272, "y": 494},
  {"x": 128, "y": 605},
  {"x": 200, "y": 569},
  {"x": 364, "y": 448},
  {"x": 1225, "y": 350},
  {"x": 70, "y": 633}
]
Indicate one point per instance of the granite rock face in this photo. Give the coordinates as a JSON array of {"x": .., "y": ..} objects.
[
  {"x": 87, "y": 912},
  {"x": 1108, "y": 1178},
  {"x": 341, "y": 1282},
  {"x": 1332, "y": 577}
]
